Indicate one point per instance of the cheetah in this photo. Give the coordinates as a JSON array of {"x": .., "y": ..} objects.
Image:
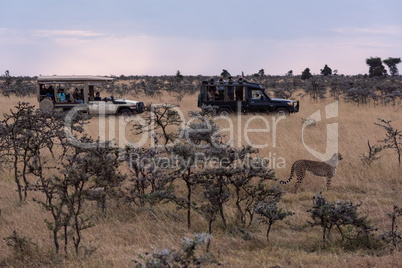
[{"x": 322, "y": 169}]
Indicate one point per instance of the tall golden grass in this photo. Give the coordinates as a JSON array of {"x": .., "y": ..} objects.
[{"x": 123, "y": 232}]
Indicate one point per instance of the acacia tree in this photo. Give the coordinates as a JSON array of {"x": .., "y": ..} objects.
[
  {"x": 103, "y": 167},
  {"x": 57, "y": 206},
  {"x": 393, "y": 235},
  {"x": 220, "y": 168},
  {"x": 216, "y": 195},
  {"x": 150, "y": 174},
  {"x": 326, "y": 70},
  {"x": 393, "y": 139},
  {"x": 306, "y": 74},
  {"x": 391, "y": 63},
  {"x": 161, "y": 117},
  {"x": 25, "y": 134},
  {"x": 270, "y": 213},
  {"x": 82, "y": 169},
  {"x": 17, "y": 134},
  {"x": 376, "y": 67},
  {"x": 201, "y": 135},
  {"x": 248, "y": 176},
  {"x": 187, "y": 171},
  {"x": 372, "y": 154}
]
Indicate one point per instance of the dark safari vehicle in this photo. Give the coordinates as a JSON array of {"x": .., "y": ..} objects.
[{"x": 242, "y": 96}]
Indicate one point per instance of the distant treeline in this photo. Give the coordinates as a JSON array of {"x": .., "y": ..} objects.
[{"x": 360, "y": 89}]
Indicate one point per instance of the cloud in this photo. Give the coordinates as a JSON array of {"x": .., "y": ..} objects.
[
  {"x": 35, "y": 37},
  {"x": 66, "y": 33},
  {"x": 377, "y": 30}
]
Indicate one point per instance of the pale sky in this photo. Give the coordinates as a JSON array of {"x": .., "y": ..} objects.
[{"x": 159, "y": 37}]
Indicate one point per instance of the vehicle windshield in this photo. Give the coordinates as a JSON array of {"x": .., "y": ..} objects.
[{"x": 259, "y": 94}]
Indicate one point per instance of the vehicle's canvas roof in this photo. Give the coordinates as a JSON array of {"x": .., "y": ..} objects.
[{"x": 73, "y": 78}]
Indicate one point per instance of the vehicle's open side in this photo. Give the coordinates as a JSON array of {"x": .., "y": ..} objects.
[{"x": 81, "y": 93}]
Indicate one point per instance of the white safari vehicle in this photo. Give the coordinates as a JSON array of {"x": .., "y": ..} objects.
[{"x": 82, "y": 93}]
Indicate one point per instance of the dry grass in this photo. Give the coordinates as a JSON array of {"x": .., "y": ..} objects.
[{"x": 125, "y": 231}]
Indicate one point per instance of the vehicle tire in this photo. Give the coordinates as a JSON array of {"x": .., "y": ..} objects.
[
  {"x": 281, "y": 111},
  {"x": 125, "y": 112},
  {"x": 140, "y": 107},
  {"x": 223, "y": 112},
  {"x": 46, "y": 105}
]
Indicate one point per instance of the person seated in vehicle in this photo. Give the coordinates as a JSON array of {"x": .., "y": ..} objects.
[
  {"x": 258, "y": 96},
  {"x": 49, "y": 92},
  {"x": 77, "y": 96},
  {"x": 255, "y": 95},
  {"x": 97, "y": 97},
  {"x": 91, "y": 97},
  {"x": 62, "y": 96},
  {"x": 42, "y": 90},
  {"x": 111, "y": 98},
  {"x": 211, "y": 90},
  {"x": 82, "y": 94}
]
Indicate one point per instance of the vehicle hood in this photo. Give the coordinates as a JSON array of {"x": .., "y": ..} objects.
[
  {"x": 281, "y": 100},
  {"x": 126, "y": 101}
]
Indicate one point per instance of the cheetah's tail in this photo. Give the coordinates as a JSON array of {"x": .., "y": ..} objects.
[{"x": 290, "y": 177}]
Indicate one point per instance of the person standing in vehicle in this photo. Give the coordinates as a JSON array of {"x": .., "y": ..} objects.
[
  {"x": 239, "y": 89},
  {"x": 221, "y": 89},
  {"x": 231, "y": 88}
]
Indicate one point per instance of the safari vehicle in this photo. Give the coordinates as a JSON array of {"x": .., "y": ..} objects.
[
  {"x": 79, "y": 93},
  {"x": 243, "y": 97}
]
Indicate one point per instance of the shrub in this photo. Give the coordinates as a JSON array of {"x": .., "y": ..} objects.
[
  {"x": 393, "y": 236},
  {"x": 21, "y": 245},
  {"x": 340, "y": 215},
  {"x": 185, "y": 257},
  {"x": 270, "y": 213}
]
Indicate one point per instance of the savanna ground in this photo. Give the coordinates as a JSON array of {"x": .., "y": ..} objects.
[{"x": 123, "y": 232}]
